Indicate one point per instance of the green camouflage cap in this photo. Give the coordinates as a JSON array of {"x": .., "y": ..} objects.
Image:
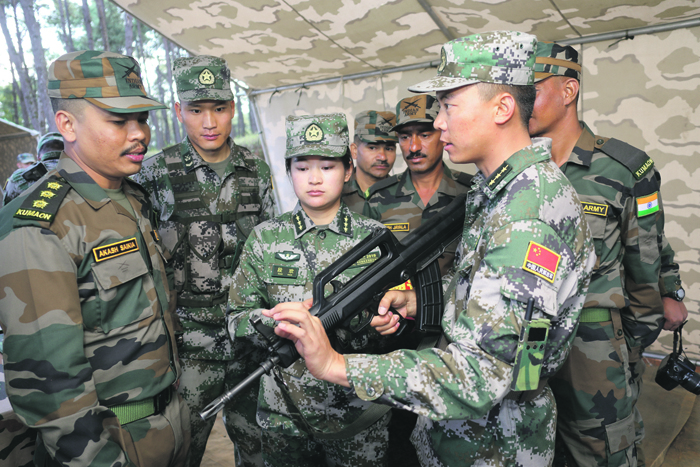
[
  {"x": 416, "y": 109},
  {"x": 372, "y": 126},
  {"x": 108, "y": 80},
  {"x": 554, "y": 59},
  {"x": 202, "y": 78},
  {"x": 26, "y": 158},
  {"x": 499, "y": 57},
  {"x": 317, "y": 135},
  {"x": 47, "y": 138}
]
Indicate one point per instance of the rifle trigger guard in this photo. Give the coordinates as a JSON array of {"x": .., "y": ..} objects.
[{"x": 264, "y": 330}]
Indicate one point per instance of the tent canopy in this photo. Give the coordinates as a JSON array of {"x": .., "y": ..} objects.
[{"x": 271, "y": 43}]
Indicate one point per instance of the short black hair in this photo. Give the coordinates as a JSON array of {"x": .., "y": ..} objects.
[
  {"x": 524, "y": 97},
  {"x": 73, "y": 106},
  {"x": 346, "y": 160}
]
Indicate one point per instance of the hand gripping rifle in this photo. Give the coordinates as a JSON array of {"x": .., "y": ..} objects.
[{"x": 414, "y": 258}]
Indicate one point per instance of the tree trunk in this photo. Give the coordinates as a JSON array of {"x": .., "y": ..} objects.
[
  {"x": 103, "y": 23},
  {"x": 240, "y": 124},
  {"x": 88, "y": 25},
  {"x": 66, "y": 33},
  {"x": 169, "y": 67},
  {"x": 16, "y": 59},
  {"x": 45, "y": 111},
  {"x": 128, "y": 34},
  {"x": 17, "y": 93}
]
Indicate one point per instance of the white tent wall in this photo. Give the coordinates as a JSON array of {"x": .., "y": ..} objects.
[{"x": 643, "y": 91}]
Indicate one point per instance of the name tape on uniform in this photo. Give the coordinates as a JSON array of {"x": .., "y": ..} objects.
[{"x": 113, "y": 250}]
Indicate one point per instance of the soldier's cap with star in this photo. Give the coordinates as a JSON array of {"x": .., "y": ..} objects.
[
  {"x": 26, "y": 158},
  {"x": 48, "y": 138},
  {"x": 372, "y": 126},
  {"x": 554, "y": 59},
  {"x": 202, "y": 77},
  {"x": 498, "y": 57},
  {"x": 110, "y": 81},
  {"x": 323, "y": 135},
  {"x": 416, "y": 109}
]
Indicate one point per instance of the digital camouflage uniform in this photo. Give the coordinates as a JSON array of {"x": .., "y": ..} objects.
[
  {"x": 524, "y": 237},
  {"x": 371, "y": 126},
  {"x": 278, "y": 264},
  {"x": 89, "y": 349},
  {"x": 597, "y": 389},
  {"x": 21, "y": 179},
  {"x": 204, "y": 221}
]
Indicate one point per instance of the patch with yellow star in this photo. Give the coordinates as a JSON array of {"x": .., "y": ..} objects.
[
  {"x": 313, "y": 134},
  {"x": 206, "y": 77},
  {"x": 42, "y": 204}
]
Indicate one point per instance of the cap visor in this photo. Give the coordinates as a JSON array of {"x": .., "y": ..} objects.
[
  {"x": 126, "y": 104},
  {"x": 408, "y": 122},
  {"x": 441, "y": 83},
  {"x": 322, "y": 150}
]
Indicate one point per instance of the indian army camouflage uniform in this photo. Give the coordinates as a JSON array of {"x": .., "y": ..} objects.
[
  {"x": 468, "y": 414},
  {"x": 91, "y": 281},
  {"x": 371, "y": 126},
  {"x": 204, "y": 221},
  {"x": 397, "y": 204},
  {"x": 525, "y": 249},
  {"x": 597, "y": 389},
  {"x": 278, "y": 264},
  {"x": 306, "y": 421}
]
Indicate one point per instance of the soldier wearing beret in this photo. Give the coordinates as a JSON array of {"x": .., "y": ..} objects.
[
  {"x": 524, "y": 264},
  {"x": 49, "y": 150},
  {"x": 635, "y": 281},
  {"x": 373, "y": 152},
  {"x": 89, "y": 348},
  {"x": 209, "y": 193},
  {"x": 307, "y": 422}
]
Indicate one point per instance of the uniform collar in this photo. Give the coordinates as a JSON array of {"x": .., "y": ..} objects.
[
  {"x": 192, "y": 160},
  {"x": 341, "y": 223},
  {"x": 583, "y": 150},
  {"x": 539, "y": 150},
  {"x": 87, "y": 188},
  {"x": 406, "y": 186},
  {"x": 351, "y": 186}
]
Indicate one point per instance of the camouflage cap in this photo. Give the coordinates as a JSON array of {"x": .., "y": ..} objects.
[
  {"x": 416, "y": 109},
  {"x": 108, "y": 80},
  {"x": 372, "y": 126},
  {"x": 47, "y": 138},
  {"x": 554, "y": 59},
  {"x": 500, "y": 57},
  {"x": 317, "y": 135},
  {"x": 202, "y": 78},
  {"x": 26, "y": 158}
]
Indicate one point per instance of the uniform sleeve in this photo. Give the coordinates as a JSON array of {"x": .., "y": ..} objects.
[
  {"x": 49, "y": 379},
  {"x": 670, "y": 278},
  {"x": 482, "y": 322},
  {"x": 642, "y": 232},
  {"x": 248, "y": 295}
]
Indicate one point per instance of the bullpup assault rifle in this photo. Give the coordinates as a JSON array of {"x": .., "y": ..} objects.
[{"x": 414, "y": 258}]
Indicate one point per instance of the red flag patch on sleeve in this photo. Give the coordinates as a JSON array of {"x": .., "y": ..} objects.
[{"x": 541, "y": 261}]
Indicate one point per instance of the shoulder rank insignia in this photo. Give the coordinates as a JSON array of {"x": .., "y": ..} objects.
[
  {"x": 541, "y": 261},
  {"x": 299, "y": 224},
  {"x": 288, "y": 256},
  {"x": 43, "y": 203},
  {"x": 113, "y": 250},
  {"x": 498, "y": 175},
  {"x": 345, "y": 224},
  {"x": 648, "y": 204}
]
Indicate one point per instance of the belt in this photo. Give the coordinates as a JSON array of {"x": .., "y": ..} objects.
[
  {"x": 136, "y": 410},
  {"x": 595, "y": 315}
]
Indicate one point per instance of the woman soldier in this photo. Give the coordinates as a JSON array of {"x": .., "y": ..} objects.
[{"x": 305, "y": 421}]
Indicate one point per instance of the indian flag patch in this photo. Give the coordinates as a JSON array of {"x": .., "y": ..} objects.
[{"x": 648, "y": 204}]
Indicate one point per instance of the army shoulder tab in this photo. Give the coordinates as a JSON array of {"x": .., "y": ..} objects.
[
  {"x": 42, "y": 204},
  {"x": 634, "y": 159}
]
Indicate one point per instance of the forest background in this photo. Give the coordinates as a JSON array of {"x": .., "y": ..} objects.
[{"x": 36, "y": 32}]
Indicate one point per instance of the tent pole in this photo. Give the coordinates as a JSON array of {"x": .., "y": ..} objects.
[
  {"x": 263, "y": 143},
  {"x": 689, "y": 23}
]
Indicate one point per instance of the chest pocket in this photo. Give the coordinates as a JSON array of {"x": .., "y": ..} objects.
[
  {"x": 286, "y": 283},
  {"x": 120, "y": 298},
  {"x": 600, "y": 217}
]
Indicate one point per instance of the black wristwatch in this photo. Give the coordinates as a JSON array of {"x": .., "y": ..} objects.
[{"x": 678, "y": 295}]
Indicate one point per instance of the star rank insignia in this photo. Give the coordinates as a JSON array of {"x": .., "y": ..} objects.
[
  {"x": 47, "y": 194},
  {"x": 299, "y": 224}
]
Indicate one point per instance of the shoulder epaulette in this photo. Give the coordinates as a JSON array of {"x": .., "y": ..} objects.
[
  {"x": 636, "y": 160},
  {"x": 386, "y": 182},
  {"x": 42, "y": 203},
  {"x": 463, "y": 178}
]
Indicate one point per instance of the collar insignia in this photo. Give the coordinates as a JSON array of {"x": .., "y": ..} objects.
[{"x": 299, "y": 224}]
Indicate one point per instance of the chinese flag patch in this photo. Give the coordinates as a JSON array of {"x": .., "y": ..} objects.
[{"x": 541, "y": 261}]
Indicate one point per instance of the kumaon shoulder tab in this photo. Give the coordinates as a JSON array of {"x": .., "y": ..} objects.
[
  {"x": 636, "y": 160},
  {"x": 42, "y": 204}
]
